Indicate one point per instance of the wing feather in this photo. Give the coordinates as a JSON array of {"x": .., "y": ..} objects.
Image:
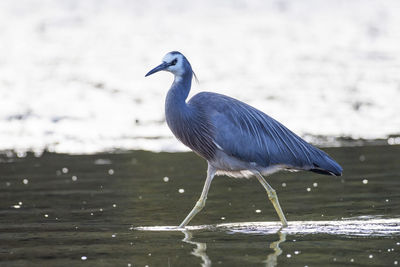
[{"x": 250, "y": 135}]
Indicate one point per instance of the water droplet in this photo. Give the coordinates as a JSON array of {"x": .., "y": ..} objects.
[
  {"x": 258, "y": 211},
  {"x": 283, "y": 184},
  {"x": 25, "y": 181},
  {"x": 315, "y": 184},
  {"x": 83, "y": 258},
  {"x": 64, "y": 170},
  {"x": 365, "y": 181},
  {"x": 74, "y": 178},
  {"x": 308, "y": 189},
  {"x": 288, "y": 255},
  {"x": 165, "y": 179},
  {"x": 370, "y": 256},
  {"x": 181, "y": 190},
  {"x": 110, "y": 171}
]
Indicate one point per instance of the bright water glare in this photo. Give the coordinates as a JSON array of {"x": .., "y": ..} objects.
[{"x": 72, "y": 72}]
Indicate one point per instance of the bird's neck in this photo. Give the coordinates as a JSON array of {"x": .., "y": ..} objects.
[
  {"x": 177, "y": 111},
  {"x": 179, "y": 91}
]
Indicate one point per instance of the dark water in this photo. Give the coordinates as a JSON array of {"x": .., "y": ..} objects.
[{"x": 85, "y": 210}]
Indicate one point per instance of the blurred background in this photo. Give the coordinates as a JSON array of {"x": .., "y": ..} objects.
[{"x": 72, "y": 72}]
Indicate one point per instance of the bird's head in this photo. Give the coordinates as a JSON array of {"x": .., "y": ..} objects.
[{"x": 175, "y": 63}]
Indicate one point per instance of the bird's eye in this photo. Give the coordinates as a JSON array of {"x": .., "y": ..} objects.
[{"x": 173, "y": 62}]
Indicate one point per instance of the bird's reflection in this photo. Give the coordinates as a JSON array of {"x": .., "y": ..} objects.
[
  {"x": 201, "y": 249},
  {"x": 272, "y": 258}
]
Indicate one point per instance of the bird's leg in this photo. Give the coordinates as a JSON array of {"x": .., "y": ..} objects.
[
  {"x": 202, "y": 200},
  {"x": 273, "y": 197}
]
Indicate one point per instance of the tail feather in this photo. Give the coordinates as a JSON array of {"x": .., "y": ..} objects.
[{"x": 326, "y": 165}]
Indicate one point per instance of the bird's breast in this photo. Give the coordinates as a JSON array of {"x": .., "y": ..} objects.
[{"x": 193, "y": 129}]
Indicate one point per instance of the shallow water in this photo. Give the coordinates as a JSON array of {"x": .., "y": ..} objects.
[{"x": 99, "y": 209}]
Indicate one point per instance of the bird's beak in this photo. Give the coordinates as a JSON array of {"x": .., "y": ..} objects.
[{"x": 162, "y": 66}]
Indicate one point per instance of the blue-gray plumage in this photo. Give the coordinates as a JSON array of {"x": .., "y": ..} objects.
[{"x": 236, "y": 139}]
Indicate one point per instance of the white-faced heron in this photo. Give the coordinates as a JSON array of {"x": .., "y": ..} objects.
[{"x": 236, "y": 139}]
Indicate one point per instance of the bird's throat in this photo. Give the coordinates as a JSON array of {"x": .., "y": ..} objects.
[
  {"x": 179, "y": 91},
  {"x": 176, "y": 109}
]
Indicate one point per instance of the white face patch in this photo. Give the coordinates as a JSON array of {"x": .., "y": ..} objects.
[{"x": 178, "y": 68}]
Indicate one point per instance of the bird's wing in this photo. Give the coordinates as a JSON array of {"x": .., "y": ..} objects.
[{"x": 250, "y": 135}]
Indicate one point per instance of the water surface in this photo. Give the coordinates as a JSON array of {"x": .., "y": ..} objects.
[{"x": 65, "y": 210}]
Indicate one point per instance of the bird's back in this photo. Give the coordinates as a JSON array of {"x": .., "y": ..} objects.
[{"x": 243, "y": 132}]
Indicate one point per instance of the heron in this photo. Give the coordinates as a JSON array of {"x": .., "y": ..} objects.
[{"x": 234, "y": 138}]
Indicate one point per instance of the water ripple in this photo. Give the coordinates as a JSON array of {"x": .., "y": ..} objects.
[{"x": 352, "y": 227}]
